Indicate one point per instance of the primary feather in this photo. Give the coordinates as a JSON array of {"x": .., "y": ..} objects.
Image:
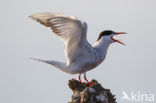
[{"x": 70, "y": 29}]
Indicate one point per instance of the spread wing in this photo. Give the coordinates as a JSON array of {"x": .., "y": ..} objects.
[{"x": 70, "y": 29}]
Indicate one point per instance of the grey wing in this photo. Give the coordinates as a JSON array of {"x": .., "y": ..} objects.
[{"x": 70, "y": 29}]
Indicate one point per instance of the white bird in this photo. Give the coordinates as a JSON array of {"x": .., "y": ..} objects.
[{"x": 81, "y": 56}]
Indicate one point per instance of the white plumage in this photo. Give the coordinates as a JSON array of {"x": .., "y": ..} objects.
[{"x": 80, "y": 55}]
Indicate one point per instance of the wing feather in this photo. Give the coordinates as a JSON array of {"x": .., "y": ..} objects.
[{"x": 69, "y": 28}]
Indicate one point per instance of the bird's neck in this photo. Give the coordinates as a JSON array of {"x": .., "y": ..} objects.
[{"x": 102, "y": 46}]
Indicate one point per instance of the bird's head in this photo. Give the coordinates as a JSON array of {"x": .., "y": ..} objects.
[{"x": 107, "y": 35}]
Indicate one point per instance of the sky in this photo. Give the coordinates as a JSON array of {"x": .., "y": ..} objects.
[{"x": 126, "y": 68}]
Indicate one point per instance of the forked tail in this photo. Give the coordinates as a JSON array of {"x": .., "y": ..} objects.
[
  {"x": 62, "y": 66},
  {"x": 59, "y": 65}
]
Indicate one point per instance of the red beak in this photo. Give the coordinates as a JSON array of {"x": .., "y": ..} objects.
[{"x": 118, "y": 33}]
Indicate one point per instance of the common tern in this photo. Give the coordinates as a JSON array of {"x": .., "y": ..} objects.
[{"x": 81, "y": 56}]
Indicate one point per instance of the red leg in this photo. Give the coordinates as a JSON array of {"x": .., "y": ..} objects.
[
  {"x": 80, "y": 77},
  {"x": 86, "y": 79}
]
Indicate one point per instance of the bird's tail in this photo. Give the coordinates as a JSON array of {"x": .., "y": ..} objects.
[{"x": 57, "y": 64}]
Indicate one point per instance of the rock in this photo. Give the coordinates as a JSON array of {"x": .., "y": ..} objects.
[{"x": 82, "y": 93}]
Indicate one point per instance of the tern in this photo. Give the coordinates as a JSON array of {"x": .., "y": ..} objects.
[{"x": 80, "y": 55}]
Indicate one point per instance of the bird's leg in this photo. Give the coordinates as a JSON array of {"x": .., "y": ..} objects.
[
  {"x": 80, "y": 77},
  {"x": 86, "y": 79}
]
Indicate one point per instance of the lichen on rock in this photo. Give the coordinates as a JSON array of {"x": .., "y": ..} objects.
[{"x": 82, "y": 93}]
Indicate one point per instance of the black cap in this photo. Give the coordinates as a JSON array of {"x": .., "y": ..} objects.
[{"x": 105, "y": 33}]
